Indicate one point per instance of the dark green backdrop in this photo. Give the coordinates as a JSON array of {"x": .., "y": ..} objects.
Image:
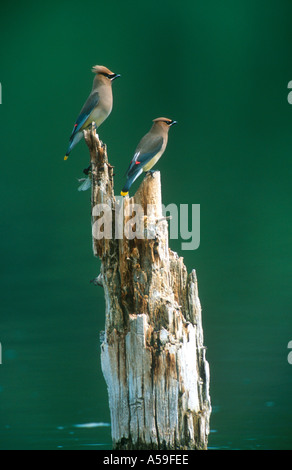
[{"x": 221, "y": 70}]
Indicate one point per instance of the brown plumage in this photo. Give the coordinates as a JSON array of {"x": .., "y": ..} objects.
[
  {"x": 98, "y": 105},
  {"x": 149, "y": 150}
]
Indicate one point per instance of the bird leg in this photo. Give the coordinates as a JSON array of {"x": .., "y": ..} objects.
[{"x": 150, "y": 172}]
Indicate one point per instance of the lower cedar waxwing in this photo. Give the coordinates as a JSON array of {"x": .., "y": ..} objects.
[
  {"x": 98, "y": 105},
  {"x": 150, "y": 148}
]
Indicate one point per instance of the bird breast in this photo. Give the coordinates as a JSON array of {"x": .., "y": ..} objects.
[{"x": 153, "y": 161}]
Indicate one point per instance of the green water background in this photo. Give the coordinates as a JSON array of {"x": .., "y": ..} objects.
[{"x": 221, "y": 69}]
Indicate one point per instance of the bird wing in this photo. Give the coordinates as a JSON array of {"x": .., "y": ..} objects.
[
  {"x": 144, "y": 153},
  {"x": 85, "y": 112}
]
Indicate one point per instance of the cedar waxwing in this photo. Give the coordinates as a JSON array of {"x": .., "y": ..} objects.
[
  {"x": 149, "y": 150},
  {"x": 97, "y": 107}
]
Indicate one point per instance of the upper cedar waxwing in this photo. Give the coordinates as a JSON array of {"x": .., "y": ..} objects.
[
  {"x": 98, "y": 105},
  {"x": 150, "y": 148}
]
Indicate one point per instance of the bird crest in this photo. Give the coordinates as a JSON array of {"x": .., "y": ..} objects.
[{"x": 101, "y": 69}]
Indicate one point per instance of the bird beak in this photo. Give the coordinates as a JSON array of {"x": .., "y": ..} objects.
[
  {"x": 114, "y": 76},
  {"x": 172, "y": 123}
]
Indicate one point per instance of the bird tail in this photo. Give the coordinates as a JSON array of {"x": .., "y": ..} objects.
[
  {"x": 130, "y": 181},
  {"x": 73, "y": 141}
]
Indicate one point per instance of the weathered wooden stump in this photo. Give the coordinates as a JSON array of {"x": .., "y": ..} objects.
[{"x": 152, "y": 352}]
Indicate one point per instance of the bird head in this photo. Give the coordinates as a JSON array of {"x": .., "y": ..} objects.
[
  {"x": 105, "y": 72},
  {"x": 164, "y": 122}
]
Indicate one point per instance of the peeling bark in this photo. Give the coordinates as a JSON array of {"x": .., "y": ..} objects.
[{"x": 152, "y": 353}]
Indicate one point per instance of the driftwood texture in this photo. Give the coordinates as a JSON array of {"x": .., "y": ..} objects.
[{"x": 152, "y": 352}]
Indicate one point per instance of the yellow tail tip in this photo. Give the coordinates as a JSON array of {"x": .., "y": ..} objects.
[
  {"x": 66, "y": 157},
  {"x": 123, "y": 194}
]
